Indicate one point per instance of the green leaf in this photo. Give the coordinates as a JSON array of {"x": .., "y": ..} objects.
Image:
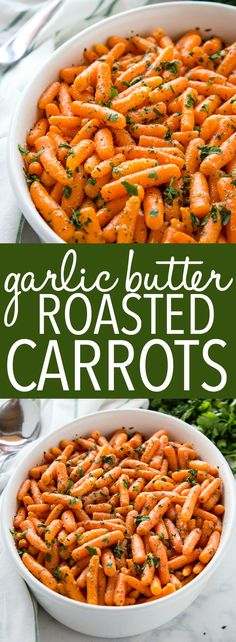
[
  {"x": 168, "y": 135},
  {"x": 153, "y": 213},
  {"x": 215, "y": 56},
  {"x": 57, "y": 573},
  {"x": 190, "y": 101},
  {"x": 113, "y": 93},
  {"x": 141, "y": 518},
  {"x": 108, "y": 459},
  {"x": 23, "y": 150},
  {"x": 66, "y": 145},
  {"x": 91, "y": 550},
  {"x": 205, "y": 108},
  {"x": 225, "y": 214},
  {"x": 216, "y": 418},
  {"x": 172, "y": 66},
  {"x": 170, "y": 192},
  {"x": 75, "y": 219},
  {"x": 67, "y": 191},
  {"x": 209, "y": 149},
  {"x": 91, "y": 181},
  {"x": 152, "y": 175},
  {"x": 112, "y": 117},
  {"x": 131, "y": 190},
  {"x": 118, "y": 550}
]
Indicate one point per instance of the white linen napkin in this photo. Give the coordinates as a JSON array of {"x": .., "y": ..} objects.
[
  {"x": 71, "y": 18},
  {"x": 14, "y": 594}
]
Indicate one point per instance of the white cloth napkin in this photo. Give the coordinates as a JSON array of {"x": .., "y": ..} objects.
[
  {"x": 14, "y": 594},
  {"x": 71, "y": 18}
]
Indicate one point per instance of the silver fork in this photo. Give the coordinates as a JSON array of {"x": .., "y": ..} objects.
[
  {"x": 17, "y": 46},
  {"x": 19, "y": 425}
]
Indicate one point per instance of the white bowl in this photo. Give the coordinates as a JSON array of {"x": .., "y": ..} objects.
[
  {"x": 175, "y": 17},
  {"x": 103, "y": 621}
]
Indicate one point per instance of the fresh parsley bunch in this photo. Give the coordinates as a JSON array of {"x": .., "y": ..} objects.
[{"x": 216, "y": 418}]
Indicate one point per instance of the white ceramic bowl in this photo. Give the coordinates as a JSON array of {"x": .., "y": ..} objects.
[
  {"x": 103, "y": 621},
  {"x": 175, "y": 17}
]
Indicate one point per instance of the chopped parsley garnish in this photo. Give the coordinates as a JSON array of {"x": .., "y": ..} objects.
[
  {"x": 215, "y": 55},
  {"x": 156, "y": 111},
  {"x": 152, "y": 175},
  {"x": 112, "y": 118},
  {"x": 67, "y": 191},
  {"x": 225, "y": 214},
  {"x": 118, "y": 550},
  {"x": 153, "y": 213},
  {"x": 134, "y": 81},
  {"x": 172, "y": 66},
  {"x": 57, "y": 573},
  {"x": 107, "y": 459},
  {"x": 66, "y": 145},
  {"x": 170, "y": 192},
  {"x": 23, "y": 150},
  {"x": 131, "y": 190},
  {"x": 205, "y": 108},
  {"x": 141, "y": 518},
  {"x": 13, "y": 532},
  {"x": 196, "y": 221},
  {"x": 31, "y": 178},
  {"x": 168, "y": 135},
  {"x": 75, "y": 219},
  {"x": 113, "y": 93},
  {"x": 125, "y": 483},
  {"x": 48, "y": 557},
  {"x": 91, "y": 181},
  {"x": 91, "y": 550},
  {"x": 209, "y": 149},
  {"x": 190, "y": 101},
  {"x": 36, "y": 155}
]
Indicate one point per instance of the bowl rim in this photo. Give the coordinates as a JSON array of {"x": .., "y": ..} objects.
[
  {"x": 208, "y": 570},
  {"x": 26, "y": 204}
]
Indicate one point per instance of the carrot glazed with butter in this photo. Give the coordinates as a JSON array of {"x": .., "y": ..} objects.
[
  {"x": 119, "y": 521},
  {"x": 137, "y": 143}
]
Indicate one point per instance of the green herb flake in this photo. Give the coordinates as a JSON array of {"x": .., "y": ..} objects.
[
  {"x": 58, "y": 574},
  {"x": 152, "y": 175},
  {"x": 131, "y": 190},
  {"x": 112, "y": 117},
  {"x": 190, "y": 101},
  {"x": 91, "y": 181},
  {"x": 171, "y": 192},
  {"x": 205, "y": 150},
  {"x": 215, "y": 56},
  {"x": 107, "y": 459},
  {"x": 67, "y": 191},
  {"x": 23, "y": 150},
  {"x": 65, "y": 145},
  {"x": 205, "y": 108},
  {"x": 91, "y": 550},
  {"x": 153, "y": 213},
  {"x": 196, "y": 221},
  {"x": 141, "y": 518}
]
